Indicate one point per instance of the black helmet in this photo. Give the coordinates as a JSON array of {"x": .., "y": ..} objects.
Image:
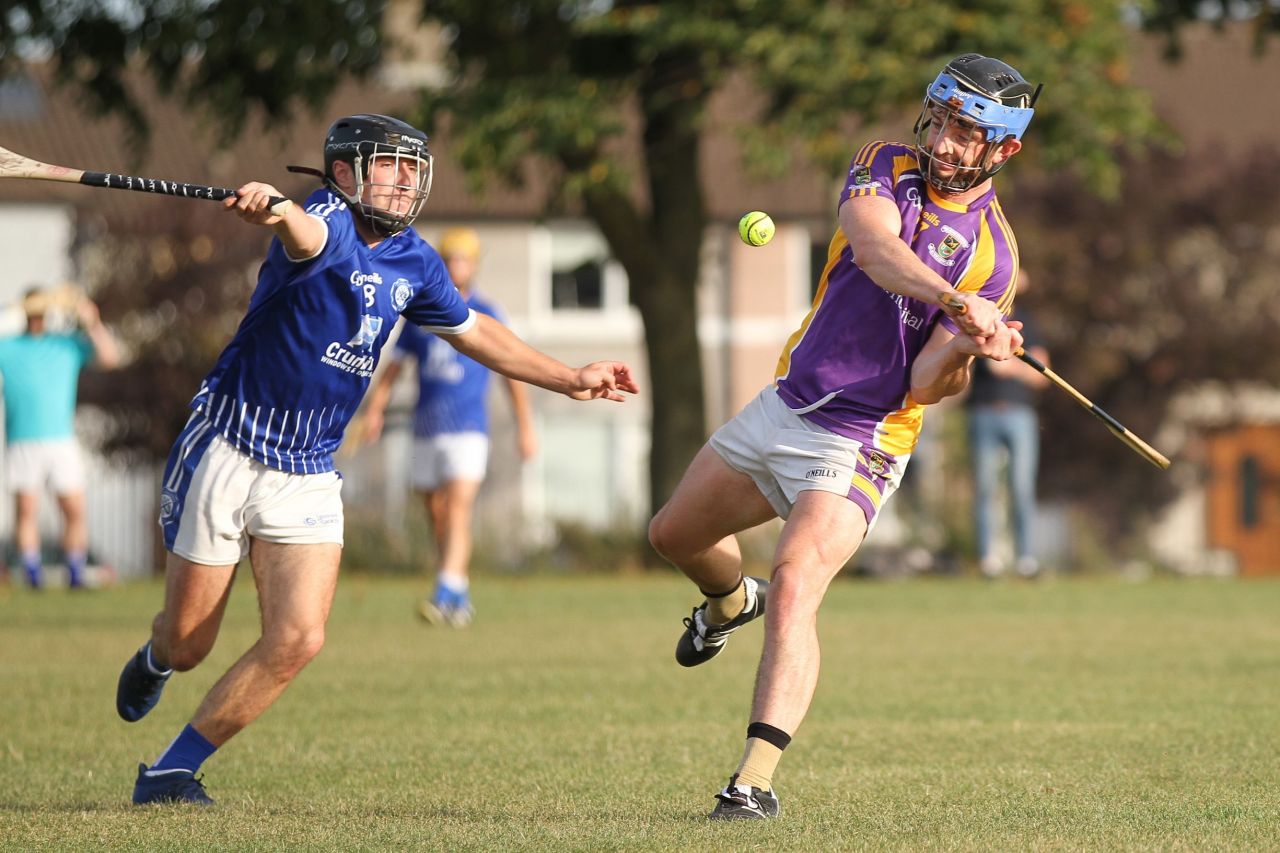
[
  {"x": 357, "y": 140},
  {"x": 993, "y": 78},
  {"x": 979, "y": 92}
]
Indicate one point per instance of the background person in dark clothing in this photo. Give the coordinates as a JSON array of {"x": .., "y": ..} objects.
[{"x": 1002, "y": 417}]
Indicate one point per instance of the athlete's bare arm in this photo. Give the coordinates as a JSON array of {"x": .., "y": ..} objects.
[
  {"x": 942, "y": 367},
  {"x": 526, "y": 438},
  {"x": 871, "y": 225},
  {"x": 302, "y": 235},
  {"x": 497, "y": 347},
  {"x": 106, "y": 353}
]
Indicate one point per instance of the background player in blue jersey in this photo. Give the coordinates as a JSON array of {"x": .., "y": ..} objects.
[
  {"x": 40, "y": 370},
  {"x": 451, "y": 433},
  {"x": 918, "y": 281},
  {"x": 252, "y": 472}
]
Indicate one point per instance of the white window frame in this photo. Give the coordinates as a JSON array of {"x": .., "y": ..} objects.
[{"x": 616, "y": 319}]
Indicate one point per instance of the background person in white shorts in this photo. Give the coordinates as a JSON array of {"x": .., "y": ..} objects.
[
  {"x": 253, "y": 470},
  {"x": 40, "y": 370},
  {"x": 451, "y": 433}
]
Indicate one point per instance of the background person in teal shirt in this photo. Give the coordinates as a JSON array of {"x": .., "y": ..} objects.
[{"x": 40, "y": 370}]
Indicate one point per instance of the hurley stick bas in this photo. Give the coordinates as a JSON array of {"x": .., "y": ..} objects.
[
  {"x": 16, "y": 166},
  {"x": 1118, "y": 429}
]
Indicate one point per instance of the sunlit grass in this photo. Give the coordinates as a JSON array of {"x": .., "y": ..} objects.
[{"x": 951, "y": 715}]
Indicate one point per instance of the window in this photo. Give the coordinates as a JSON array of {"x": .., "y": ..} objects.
[
  {"x": 584, "y": 277},
  {"x": 578, "y": 286},
  {"x": 1250, "y": 480}
]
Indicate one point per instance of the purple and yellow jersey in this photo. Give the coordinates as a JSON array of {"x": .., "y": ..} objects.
[{"x": 848, "y": 366}]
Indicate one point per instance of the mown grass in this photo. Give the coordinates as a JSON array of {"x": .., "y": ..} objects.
[{"x": 952, "y": 715}]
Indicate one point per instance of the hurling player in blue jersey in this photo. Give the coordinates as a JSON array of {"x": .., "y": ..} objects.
[
  {"x": 252, "y": 472},
  {"x": 450, "y": 433}
]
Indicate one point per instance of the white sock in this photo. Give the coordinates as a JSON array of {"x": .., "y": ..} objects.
[
  {"x": 151, "y": 664},
  {"x": 454, "y": 582}
]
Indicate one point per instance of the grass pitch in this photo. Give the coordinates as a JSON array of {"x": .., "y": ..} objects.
[{"x": 953, "y": 715}]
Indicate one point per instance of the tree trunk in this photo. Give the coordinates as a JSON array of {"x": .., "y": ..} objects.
[
  {"x": 675, "y": 365},
  {"x": 661, "y": 257}
]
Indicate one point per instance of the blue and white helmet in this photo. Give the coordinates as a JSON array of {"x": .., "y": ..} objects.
[{"x": 978, "y": 92}]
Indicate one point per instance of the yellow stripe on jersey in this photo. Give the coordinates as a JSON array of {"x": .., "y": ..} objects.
[
  {"x": 898, "y": 432},
  {"x": 867, "y": 488},
  {"x": 903, "y": 163},
  {"x": 1007, "y": 230},
  {"x": 838, "y": 243},
  {"x": 860, "y": 157},
  {"x": 984, "y": 260},
  {"x": 869, "y": 152},
  {"x": 1005, "y": 303},
  {"x": 864, "y": 158}
]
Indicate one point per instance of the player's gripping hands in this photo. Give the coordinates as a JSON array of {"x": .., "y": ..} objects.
[
  {"x": 603, "y": 380},
  {"x": 974, "y": 315},
  {"x": 1002, "y": 345},
  {"x": 302, "y": 235},
  {"x": 252, "y": 203}
]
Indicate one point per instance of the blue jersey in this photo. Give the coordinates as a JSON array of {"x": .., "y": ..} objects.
[
  {"x": 452, "y": 388},
  {"x": 286, "y": 386}
]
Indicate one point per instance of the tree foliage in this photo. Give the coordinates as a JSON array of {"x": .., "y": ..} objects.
[
  {"x": 608, "y": 101},
  {"x": 548, "y": 83},
  {"x": 223, "y": 57},
  {"x": 541, "y": 78}
]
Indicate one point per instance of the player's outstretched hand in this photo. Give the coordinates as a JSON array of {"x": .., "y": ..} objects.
[
  {"x": 252, "y": 203},
  {"x": 603, "y": 379}
]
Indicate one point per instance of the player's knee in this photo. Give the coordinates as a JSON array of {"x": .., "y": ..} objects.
[
  {"x": 292, "y": 649},
  {"x": 795, "y": 591},
  {"x": 662, "y": 535}
]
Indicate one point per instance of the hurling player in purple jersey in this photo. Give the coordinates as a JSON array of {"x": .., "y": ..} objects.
[
  {"x": 252, "y": 472},
  {"x": 919, "y": 279}
]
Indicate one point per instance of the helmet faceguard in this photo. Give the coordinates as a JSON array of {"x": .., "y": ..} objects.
[
  {"x": 399, "y": 186},
  {"x": 980, "y": 101}
]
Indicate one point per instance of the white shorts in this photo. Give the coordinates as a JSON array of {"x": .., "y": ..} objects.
[
  {"x": 439, "y": 459},
  {"x": 31, "y": 465},
  {"x": 214, "y": 498},
  {"x": 786, "y": 455}
]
